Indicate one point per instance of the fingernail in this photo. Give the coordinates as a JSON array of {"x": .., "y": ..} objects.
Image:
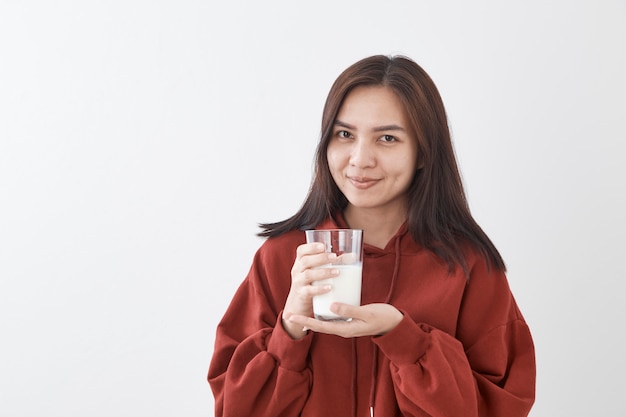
[{"x": 332, "y": 255}]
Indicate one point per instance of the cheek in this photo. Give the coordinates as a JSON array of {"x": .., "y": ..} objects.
[
  {"x": 406, "y": 169},
  {"x": 334, "y": 160}
]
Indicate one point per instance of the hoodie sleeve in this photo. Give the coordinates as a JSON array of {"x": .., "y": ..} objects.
[
  {"x": 486, "y": 369},
  {"x": 256, "y": 368}
]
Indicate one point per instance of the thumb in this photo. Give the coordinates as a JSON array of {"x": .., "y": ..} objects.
[{"x": 344, "y": 310}]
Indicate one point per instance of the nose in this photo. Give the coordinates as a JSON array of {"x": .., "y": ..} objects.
[{"x": 362, "y": 154}]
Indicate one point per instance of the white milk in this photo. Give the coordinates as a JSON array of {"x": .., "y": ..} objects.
[{"x": 346, "y": 288}]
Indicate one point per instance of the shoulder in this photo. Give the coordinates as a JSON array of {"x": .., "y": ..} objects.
[
  {"x": 483, "y": 276},
  {"x": 271, "y": 270},
  {"x": 479, "y": 262},
  {"x": 486, "y": 282},
  {"x": 280, "y": 249},
  {"x": 289, "y": 239},
  {"x": 488, "y": 302}
]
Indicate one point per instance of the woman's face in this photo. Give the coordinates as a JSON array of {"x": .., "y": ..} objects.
[{"x": 372, "y": 153}]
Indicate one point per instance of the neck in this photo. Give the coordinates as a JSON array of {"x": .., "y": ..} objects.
[{"x": 379, "y": 226}]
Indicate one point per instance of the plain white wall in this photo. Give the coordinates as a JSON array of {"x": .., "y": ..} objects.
[{"x": 142, "y": 141}]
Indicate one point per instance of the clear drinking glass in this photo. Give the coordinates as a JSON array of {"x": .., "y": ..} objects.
[{"x": 346, "y": 287}]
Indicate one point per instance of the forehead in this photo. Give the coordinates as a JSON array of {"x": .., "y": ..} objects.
[{"x": 373, "y": 105}]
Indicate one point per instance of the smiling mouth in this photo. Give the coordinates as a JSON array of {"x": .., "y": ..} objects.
[{"x": 362, "y": 183}]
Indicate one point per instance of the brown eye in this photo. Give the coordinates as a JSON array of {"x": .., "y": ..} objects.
[{"x": 388, "y": 138}]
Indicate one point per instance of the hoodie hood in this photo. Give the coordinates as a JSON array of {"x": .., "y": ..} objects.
[{"x": 399, "y": 240}]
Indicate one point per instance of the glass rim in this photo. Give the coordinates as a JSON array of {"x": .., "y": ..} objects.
[{"x": 334, "y": 230}]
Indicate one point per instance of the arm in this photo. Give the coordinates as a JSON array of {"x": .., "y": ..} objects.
[
  {"x": 257, "y": 368},
  {"x": 434, "y": 375},
  {"x": 485, "y": 367}
]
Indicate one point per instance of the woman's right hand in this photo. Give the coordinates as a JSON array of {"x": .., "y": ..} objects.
[{"x": 303, "y": 274}]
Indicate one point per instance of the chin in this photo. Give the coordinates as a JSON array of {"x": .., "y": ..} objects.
[{"x": 363, "y": 204}]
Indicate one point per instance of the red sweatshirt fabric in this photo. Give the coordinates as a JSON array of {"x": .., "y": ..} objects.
[{"x": 462, "y": 349}]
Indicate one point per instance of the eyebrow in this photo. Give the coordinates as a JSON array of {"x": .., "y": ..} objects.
[{"x": 376, "y": 129}]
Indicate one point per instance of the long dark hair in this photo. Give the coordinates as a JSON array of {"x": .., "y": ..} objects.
[{"x": 439, "y": 218}]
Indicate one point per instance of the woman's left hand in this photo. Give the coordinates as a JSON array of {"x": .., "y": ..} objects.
[{"x": 367, "y": 320}]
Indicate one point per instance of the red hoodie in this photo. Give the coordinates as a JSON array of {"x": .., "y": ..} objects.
[{"x": 462, "y": 349}]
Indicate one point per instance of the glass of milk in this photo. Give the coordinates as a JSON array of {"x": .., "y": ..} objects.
[{"x": 346, "y": 287}]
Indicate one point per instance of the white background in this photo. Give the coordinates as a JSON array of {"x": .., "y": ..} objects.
[{"x": 142, "y": 141}]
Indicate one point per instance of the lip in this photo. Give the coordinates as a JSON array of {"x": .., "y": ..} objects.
[{"x": 362, "y": 183}]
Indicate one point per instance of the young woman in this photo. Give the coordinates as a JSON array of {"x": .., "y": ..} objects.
[{"x": 438, "y": 332}]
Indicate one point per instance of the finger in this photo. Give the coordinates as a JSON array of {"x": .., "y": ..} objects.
[
  {"x": 305, "y": 322},
  {"x": 347, "y": 310},
  {"x": 309, "y": 249},
  {"x": 318, "y": 275},
  {"x": 318, "y": 259},
  {"x": 339, "y": 327},
  {"x": 315, "y": 324},
  {"x": 313, "y": 290}
]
